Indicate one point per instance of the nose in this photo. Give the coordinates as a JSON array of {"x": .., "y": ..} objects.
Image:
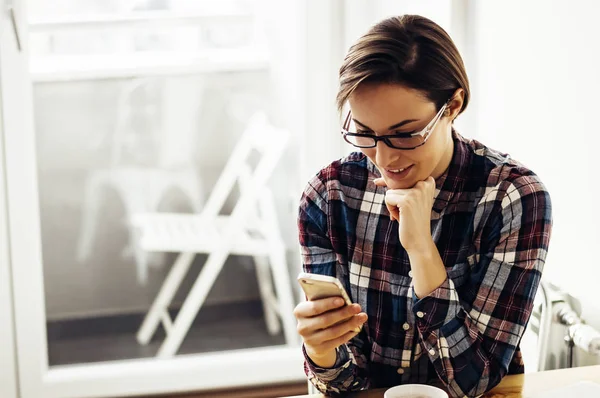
[{"x": 385, "y": 155}]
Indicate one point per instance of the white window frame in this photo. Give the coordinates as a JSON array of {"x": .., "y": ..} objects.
[
  {"x": 8, "y": 375},
  {"x": 108, "y": 66}
]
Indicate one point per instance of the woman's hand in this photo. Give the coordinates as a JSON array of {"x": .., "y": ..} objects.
[
  {"x": 326, "y": 324},
  {"x": 412, "y": 208}
]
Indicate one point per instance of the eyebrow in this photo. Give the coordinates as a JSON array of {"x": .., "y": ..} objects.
[{"x": 394, "y": 126}]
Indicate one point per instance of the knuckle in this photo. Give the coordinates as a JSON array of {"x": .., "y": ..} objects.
[
  {"x": 332, "y": 303},
  {"x": 308, "y": 341},
  {"x": 302, "y": 329},
  {"x": 302, "y": 309}
]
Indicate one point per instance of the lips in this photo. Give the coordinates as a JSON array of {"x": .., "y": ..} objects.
[
  {"x": 398, "y": 170},
  {"x": 398, "y": 174}
]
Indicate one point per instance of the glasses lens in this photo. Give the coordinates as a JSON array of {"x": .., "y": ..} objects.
[
  {"x": 407, "y": 143},
  {"x": 360, "y": 141}
]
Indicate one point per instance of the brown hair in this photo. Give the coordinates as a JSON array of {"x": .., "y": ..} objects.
[{"x": 408, "y": 50}]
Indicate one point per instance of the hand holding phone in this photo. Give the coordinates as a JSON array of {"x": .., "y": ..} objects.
[{"x": 328, "y": 319}]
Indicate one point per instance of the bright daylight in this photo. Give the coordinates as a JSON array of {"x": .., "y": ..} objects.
[{"x": 299, "y": 198}]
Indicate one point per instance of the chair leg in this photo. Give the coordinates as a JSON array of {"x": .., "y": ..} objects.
[
  {"x": 284, "y": 293},
  {"x": 190, "y": 184},
  {"x": 193, "y": 302},
  {"x": 265, "y": 286},
  {"x": 141, "y": 264},
  {"x": 164, "y": 297},
  {"x": 89, "y": 217}
]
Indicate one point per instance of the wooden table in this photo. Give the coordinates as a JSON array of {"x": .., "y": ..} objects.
[{"x": 517, "y": 386}]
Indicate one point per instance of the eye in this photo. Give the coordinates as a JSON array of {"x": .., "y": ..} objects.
[
  {"x": 404, "y": 133},
  {"x": 363, "y": 132}
]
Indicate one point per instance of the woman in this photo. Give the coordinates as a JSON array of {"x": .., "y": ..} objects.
[{"x": 439, "y": 240}]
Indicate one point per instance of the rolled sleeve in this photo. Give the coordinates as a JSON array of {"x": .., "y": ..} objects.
[
  {"x": 436, "y": 309},
  {"x": 342, "y": 362}
]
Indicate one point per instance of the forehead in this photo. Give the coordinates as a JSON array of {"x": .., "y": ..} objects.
[{"x": 382, "y": 105}]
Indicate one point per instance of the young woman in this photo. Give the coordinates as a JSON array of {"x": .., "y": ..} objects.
[{"x": 439, "y": 240}]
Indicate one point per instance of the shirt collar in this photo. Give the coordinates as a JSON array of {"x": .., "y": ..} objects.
[{"x": 452, "y": 180}]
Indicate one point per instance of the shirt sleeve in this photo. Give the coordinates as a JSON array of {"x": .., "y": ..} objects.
[
  {"x": 349, "y": 372},
  {"x": 471, "y": 344}
]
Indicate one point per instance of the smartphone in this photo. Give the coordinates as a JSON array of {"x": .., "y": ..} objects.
[{"x": 317, "y": 287}]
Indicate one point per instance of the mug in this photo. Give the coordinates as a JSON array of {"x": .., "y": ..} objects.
[{"x": 415, "y": 391}]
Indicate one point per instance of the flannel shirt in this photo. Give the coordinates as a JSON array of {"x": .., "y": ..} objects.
[{"x": 491, "y": 222}]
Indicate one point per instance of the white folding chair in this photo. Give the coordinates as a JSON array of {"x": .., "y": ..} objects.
[
  {"x": 142, "y": 188},
  {"x": 251, "y": 229}
]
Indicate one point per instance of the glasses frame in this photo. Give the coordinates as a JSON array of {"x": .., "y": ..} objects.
[{"x": 425, "y": 133}]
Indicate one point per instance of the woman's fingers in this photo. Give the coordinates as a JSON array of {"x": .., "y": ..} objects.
[
  {"x": 333, "y": 344},
  {"x": 307, "y": 309},
  {"x": 331, "y": 318},
  {"x": 308, "y": 326},
  {"x": 380, "y": 182},
  {"x": 334, "y": 332},
  {"x": 393, "y": 201}
]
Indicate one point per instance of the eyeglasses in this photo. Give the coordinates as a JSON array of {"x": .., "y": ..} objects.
[{"x": 406, "y": 141}]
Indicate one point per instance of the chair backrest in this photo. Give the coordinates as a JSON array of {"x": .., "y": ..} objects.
[
  {"x": 170, "y": 107},
  {"x": 258, "y": 136},
  {"x": 124, "y": 133},
  {"x": 182, "y": 100}
]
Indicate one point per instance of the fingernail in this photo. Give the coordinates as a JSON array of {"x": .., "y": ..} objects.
[{"x": 338, "y": 301}]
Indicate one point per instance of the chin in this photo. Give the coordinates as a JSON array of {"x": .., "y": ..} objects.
[{"x": 391, "y": 184}]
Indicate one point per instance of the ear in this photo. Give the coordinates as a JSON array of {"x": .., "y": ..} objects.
[{"x": 455, "y": 104}]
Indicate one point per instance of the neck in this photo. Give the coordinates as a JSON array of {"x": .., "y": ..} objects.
[{"x": 446, "y": 158}]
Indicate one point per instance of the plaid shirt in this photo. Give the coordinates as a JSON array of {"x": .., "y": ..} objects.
[{"x": 491, "y": 223}]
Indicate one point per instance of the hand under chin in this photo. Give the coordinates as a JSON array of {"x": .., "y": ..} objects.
[{"x": 408, "y": 184}]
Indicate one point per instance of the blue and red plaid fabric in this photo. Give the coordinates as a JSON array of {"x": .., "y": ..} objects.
[{"x": 491, "y": 221}]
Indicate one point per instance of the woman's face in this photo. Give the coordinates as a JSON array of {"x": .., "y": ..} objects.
[{"x": 375, "y": 108}]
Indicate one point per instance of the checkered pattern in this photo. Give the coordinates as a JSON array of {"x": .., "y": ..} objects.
[{"x": 491, "y": 222}]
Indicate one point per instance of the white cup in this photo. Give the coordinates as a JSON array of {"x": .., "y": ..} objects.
[{"x": 415, "y": 390}]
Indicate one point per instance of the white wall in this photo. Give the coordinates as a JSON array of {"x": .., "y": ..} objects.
[{"x": 535, "y": 95}]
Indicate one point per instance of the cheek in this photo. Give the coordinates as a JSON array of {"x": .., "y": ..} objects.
[
  {"x": 429, "y": 155},
  {"x": 437, "y": 145}
]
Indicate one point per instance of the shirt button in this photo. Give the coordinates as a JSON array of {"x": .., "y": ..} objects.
[
  {"x": 406, "y": 326},
  {"x": 400, "y": 371},
  {"x": 432, "y": 352},
  {"x": 420, "y": 314},
  {"x": 410, "y": 273}
]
